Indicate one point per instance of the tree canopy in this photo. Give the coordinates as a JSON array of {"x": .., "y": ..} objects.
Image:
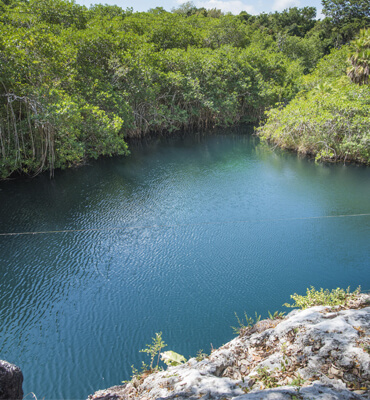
[
  {"x": 346, "y": 10},
  {"x": 76, "y": 82},
  {"x": 330, "y": 117}
]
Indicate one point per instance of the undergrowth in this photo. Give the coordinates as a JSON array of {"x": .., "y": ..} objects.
[
  {"x": 313, "y": 297},
  {"x": 249, "y": 322}
]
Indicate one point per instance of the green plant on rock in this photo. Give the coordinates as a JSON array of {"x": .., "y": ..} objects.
[
  {"x": 276, "y": 315},
  {"x": 313, "y": 297},
  {"x": 154, "y": 349},
  {"x": 245, "y": 389},
  {"x": 266, "y": 377},
  {"x": 298, "y": 381},
  {"x": 284, "y": 363},
  {"x": 134, "y": 373},
  {"x": 201, "y": 355},
  {"x": 249, "y": 322},
  {"x": 366, "y": 345},
  {"x": 171, "y": 358}
]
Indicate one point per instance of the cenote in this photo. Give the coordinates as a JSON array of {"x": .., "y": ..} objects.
[{"x": 176, "y": 238}]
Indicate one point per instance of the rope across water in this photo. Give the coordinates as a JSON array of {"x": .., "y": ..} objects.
[{"x": 181, "y": 225}]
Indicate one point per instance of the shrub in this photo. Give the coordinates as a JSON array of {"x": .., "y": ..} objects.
[{"x": 313, "y": 297}]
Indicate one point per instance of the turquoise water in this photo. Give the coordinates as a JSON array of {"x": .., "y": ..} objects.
[{"x": 174, "y": 238}]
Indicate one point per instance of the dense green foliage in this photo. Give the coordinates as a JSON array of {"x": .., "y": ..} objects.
[
  {"x": 346, "y": 17},
  {"x": 313, "y": 297},
  {"x": 75, "y": 82},
  {"x": 359, "y": 70},
  {"x": 330, "y": 117}
]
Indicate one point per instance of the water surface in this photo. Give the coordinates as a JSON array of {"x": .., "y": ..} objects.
[{"x": 175, "y": 238}]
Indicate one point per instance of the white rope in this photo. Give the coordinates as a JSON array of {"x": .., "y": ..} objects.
[{"x": 181, "y": 225}]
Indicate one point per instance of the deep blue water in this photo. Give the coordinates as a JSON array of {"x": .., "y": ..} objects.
[{"x": 174, "y": 238}]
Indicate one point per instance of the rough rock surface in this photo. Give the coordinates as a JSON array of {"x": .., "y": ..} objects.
[
  {"x": 317, "y": 353},
  {"x": 11, "y": 379}
]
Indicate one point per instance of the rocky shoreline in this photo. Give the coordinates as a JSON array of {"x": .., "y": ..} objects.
[
  {"x": 11, "y": 380},
  {"x": 317, "y": 353}
]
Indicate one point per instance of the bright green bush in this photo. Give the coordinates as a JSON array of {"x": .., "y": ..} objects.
[
  {"x": 329, "y": 119},
  {"x": 313, "y": 297},
  {"x": 330, "y": 122}
]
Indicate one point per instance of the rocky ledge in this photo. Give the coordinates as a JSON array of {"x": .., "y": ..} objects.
[
  {"x": 11, "y": 379},
  {"x": 317, "y": 353}
]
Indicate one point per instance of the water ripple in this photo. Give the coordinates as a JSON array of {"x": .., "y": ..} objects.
[{"x": 203, "y": 240}]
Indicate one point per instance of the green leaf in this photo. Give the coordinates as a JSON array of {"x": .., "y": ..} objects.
[{"x": 172, "y": 358}]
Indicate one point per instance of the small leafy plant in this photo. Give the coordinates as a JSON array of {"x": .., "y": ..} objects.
[
  {"x": 200, "y": 355},
  {"x": 276, "y": 315},
  {"x": 155, "y": 348},
  {"x": 172, "y": 358},
  {"x": 365, "y": 347},
  {"x": 322, "y": 297},
  {"x": 135, "y": 374},
  {"x": 249, "y": 322},
  {"x": 284, "y": 363},
  {"x": 298, "y": 381},
  {"x": 265, "y": 376}
]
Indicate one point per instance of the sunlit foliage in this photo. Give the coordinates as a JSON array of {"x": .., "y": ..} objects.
[
  {"x": 75, "y": 82},
  {"x": 329, "y": 119}
]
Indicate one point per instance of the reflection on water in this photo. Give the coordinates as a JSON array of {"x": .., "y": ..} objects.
[{"x": 174, "y": 238}]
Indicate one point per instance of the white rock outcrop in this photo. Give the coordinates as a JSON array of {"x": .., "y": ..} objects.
[{"x": 317, "y": 353}]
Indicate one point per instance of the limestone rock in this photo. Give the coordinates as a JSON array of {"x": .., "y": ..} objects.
[{"x": 321, "y": 352}]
